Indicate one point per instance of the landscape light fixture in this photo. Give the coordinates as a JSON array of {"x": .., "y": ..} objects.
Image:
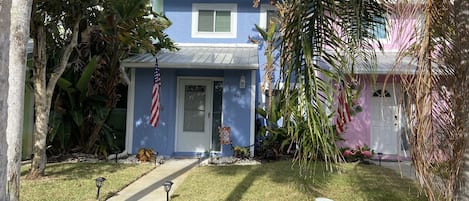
[
  {"x": 380, "y": 156},
  {"x": 167, "y": 187},
  {"x": 199, "y": 156},
  {"x": 99, "y": 184}
]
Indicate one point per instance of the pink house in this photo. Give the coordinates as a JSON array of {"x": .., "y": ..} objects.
[{"x": 382, "y": 124}]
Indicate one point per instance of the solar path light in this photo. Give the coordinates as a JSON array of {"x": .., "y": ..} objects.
[
  {"x": 99, "y": 184},
  {"x": 167, "y": 187},
  {"x": 380, "y": 156}
]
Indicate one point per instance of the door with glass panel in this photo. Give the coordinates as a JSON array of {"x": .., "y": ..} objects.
[{"x": 194, "y": 115}]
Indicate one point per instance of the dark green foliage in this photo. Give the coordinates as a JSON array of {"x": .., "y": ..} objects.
[
  {"x": 323, "y": 43},
  {"x": 82, "y": 117},
  {"x": 72, "y": 108},
  {"x": 273, "y": 138},
  {"x": 241, "y": 152}
]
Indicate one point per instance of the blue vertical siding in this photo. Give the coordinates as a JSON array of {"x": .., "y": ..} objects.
[
  {"x": 180, "y": 14},
  {"x": 236, "y": 102},
  {"x": 236, "y": 108},
  {"x": 161, "y": 138}
]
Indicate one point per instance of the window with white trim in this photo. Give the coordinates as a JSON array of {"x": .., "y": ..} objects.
[
  {"x": 268, "y": 13},
  {"x": 380, "y": 28},
  {"x": 214, "y": 20},
  {"x": 157, "y": 6}
]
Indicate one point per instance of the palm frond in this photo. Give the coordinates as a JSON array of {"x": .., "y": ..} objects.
[
  {"x": 437, "y": 106},
  {"x": 334, "y": 33}
]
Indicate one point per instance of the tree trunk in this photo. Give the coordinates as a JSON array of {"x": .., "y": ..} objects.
[
  {"x": 19, "y": 30},
  {"x": 462, "y": 189},
  {"x": 41, "y": 109},
  {"x": 5, "y": 6},
  {"x": 460, "y": 38},
  {"x": 44, "y": 90},
  {"x": 95, "y": 130},
  {"x": 112, "y": 80}
]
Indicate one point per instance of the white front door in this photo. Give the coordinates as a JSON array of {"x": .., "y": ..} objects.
[
  {"x": 194, "y": 107},
  {"x": 385, "y": 120}
]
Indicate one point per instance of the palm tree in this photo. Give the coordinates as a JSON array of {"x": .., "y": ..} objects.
[
  {"x": 438, "y": 102},
  {"x": 270, "y": 39},
  {"x": 337, "y": 33}
]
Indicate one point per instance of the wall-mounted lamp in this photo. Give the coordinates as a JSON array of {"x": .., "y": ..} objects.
[{"x": 242, "y": 82}]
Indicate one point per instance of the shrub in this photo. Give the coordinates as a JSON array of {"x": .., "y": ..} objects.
[
  {"x": 359, "y": 153},
  {"x": 241, "y": 152}
]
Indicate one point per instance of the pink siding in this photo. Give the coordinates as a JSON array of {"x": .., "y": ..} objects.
[
  {"x": 400, "y": 33},
  {"x": 358, "y": 130}
]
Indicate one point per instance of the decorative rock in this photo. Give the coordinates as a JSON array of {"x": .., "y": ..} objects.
[{"x": 323, "y": 199}]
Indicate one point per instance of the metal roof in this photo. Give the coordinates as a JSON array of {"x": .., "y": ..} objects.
[
  {"x": 386, "y": 64},
  {"x": 200, "y": 57}
]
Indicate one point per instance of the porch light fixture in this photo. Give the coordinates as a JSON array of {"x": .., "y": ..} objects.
[
  {"x": 167, "y": 187},
  {"x": 380, "y": 156},
  {"x": 242, "y": 82},
  {"x": 99, "y": 184}
]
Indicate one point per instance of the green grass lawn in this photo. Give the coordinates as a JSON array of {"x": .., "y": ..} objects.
[
  {"x": 76, "y": 181},
  {"x": 281, "y": 181}
]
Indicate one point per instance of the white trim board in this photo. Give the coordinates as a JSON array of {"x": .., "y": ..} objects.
[
  {"x": 253, "y": 112},
  {"x": 129, "y": 128}
]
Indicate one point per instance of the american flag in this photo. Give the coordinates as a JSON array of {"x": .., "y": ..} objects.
[
  {"x": 343, "y": 113},
  {"x": 155, "y": 96}
]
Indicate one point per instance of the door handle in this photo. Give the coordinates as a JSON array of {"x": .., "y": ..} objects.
[{"x": 208, "y": 114}]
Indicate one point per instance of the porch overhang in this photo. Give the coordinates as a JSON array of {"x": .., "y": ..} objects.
[
  {"x": 386, "y": 64},
  {"x": 239, "y": 57}
]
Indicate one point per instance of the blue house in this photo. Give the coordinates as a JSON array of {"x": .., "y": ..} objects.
[{"x": 211, "y": 82}]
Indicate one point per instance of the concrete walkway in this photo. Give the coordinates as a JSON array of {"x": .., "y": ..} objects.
[{"x": 149, "y": 187}]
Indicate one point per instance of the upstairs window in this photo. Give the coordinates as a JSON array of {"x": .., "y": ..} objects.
[
  {"x": 268, "y": 14},
  {"x": 157, "y": 6},
  {"x": 214, "y": 20},
  {"x": 380, "y": 30}
]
